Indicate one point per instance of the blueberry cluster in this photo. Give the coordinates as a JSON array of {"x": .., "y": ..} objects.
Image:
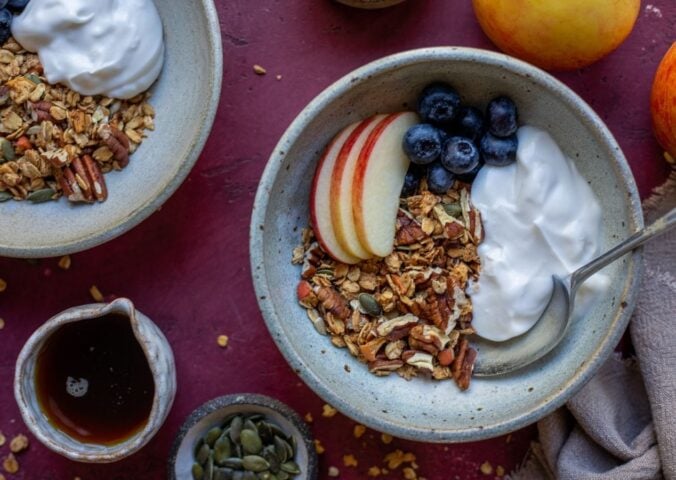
[
  {"x": 455, "y": 140},
  {"x": 9, "y": 8}
]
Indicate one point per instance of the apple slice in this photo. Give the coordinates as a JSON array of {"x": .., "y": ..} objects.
[
  {"x": 320, "y": 199},
  {"x": 378, "y": 180},
  {"x": 341, "y": 188}
]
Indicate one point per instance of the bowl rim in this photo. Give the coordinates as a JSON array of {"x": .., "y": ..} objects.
[
  {"x": 274, "y": 323},
  {"x": 243, "y": 399},
  {"x": 138, "y": 215}
]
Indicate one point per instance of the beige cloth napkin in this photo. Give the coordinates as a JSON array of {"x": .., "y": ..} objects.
[{"x": 622, "y": 424}]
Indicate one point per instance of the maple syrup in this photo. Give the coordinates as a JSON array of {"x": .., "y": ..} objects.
[{"x": 93, "y": 381}]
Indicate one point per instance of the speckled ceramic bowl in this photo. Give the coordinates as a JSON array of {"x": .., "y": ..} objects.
[
  {"x": 160, "y": 360},
  {"x": 185, "y": 98},
  {"x": 419, "y": 409},
  {"x": 212, "y": 414}
]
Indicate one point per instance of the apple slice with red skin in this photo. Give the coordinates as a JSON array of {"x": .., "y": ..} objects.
[
  {"x": 378, "y": 180},
  {"x": 341, "y": 188},
  {"x": 320, "y": 199}
]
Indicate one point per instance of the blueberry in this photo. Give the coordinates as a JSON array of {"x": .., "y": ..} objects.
[
  {"x": 422, "y": 143},
  {"x": 470, "y": 123},
  {"x": 502, "y": 117},
  {"x": 470, "y": 176},
  {"x": 412, "y": 180},
  {"x": 17, "y": 4},
  {"x": 498, "y": 151},
  {"x": 439, "y": 180},
  {"x": 5, "y": 25},
  {"x": 459, "y": 155},
  {"x": 438, "y": 104}
]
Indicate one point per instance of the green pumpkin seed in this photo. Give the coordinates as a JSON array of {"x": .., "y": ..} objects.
[
  {"x": 251, "y": 442},
  {"x": 453, "y": 209},
  {"x": 7, "y": 149},
  {"x": 249, "y": 476},
  {"x": 325, "y": 271},
  {"x": 4, "y": 196},
  {"x": 238, "y": 475},
  {"x": 265, "y": 432},
  {"x": 264, "y": 475},
  {"x": 249, "y": 425},
  {"x": 197, "y": 472},
  {"x": 282, "y": 476},
  {"x": 291, "y": 467},
  {"x": 238, "y": 450},
  {"x": 370, "y": 305},
  {"x": 281, "y": 449},
  {"x": 256, "y": 417},
  {"x": 222, "y": 449},
  {"x": 255, "y": 463},
  {"x": 222, "y": 474},
  {"x": 236, "y": 428},
  {"x": 41, "y": 196},
  {"x": 33, "y": 78},
  {"x": 202, "y": 454},
  {"x": 277, "y": 431},
  {"x": 212, "y": 435},
  {"x": 294, "y": 445},
  {"x": 209, "y": 468},
  {"x": 233, "y": 462}
]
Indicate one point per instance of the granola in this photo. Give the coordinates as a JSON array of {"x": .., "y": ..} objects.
[
  {"x": 408, "y": 312},
  {"x": 55, "y": 142}
]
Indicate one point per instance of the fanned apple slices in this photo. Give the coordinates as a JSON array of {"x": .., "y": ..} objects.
[{"x": 355, "y": 192}]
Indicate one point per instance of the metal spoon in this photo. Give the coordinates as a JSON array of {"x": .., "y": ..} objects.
[{"x": 498, "y": 358}]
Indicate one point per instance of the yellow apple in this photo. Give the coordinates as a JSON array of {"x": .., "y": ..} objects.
[
  {"x": 663, "y": 103},
  {"x": 557, "y": 34}
]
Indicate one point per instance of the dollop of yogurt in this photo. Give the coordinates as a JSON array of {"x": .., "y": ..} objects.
[
  {"x": 109, "y": 47},
  {"x": 540, "y": 219}
]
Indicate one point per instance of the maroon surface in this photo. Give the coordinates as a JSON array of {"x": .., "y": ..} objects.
[{"x": 187, "y": 266}]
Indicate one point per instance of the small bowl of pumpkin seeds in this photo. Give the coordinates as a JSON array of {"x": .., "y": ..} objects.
[{"x": 243, "y": 437}]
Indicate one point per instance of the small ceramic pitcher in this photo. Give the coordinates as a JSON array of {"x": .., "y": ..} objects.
[{"x": 160, "y": 360}]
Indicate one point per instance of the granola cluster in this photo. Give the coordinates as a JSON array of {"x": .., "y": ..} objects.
[
  {"x": 406, "y": 313},
  {"x": 55, "y": 142}
]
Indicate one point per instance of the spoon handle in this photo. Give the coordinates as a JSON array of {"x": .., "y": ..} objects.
[{"x": 660, "y": 226}]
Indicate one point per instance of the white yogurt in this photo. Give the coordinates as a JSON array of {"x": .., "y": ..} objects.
[
  {"x": 108, "y": 47},
  {"x": 540, "y": 218}
]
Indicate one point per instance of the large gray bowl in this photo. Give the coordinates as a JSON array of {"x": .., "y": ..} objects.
[
  {"x": 420, "y": 409},
  {"x": 185, "y": 98}
]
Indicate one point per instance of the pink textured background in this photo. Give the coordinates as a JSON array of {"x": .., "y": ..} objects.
[{"x": 187, "y": 266}]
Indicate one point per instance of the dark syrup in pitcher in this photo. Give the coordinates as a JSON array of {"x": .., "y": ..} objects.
[{"x": 93, "y": 381}]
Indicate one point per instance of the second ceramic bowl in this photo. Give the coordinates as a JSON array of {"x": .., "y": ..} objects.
[{"x": 419, "y": 409}]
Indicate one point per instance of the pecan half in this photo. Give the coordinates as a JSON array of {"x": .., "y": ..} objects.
[
  {"x": 40, "y": 111},
  {"x": 82, "y": 178},
  {"x": 388, "y": 326},
  {"x": 428, "y": 338},
  {"x": 117, "y": 142},
  {"x": 463, "y": 364},
  {"x": 408, "y": 230},
  {"x": 333, "y": 302},
  {"x": 95, "y": 178},
  {"x": 420, "y": 360},
  {"x": 383, "y": 366}
]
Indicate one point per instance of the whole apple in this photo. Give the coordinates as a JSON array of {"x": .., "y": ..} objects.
[
  {"x": 557, "y": 34},
  {"x": 663, "y": 103}
]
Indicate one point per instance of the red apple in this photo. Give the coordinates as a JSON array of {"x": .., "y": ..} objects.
[
  {"x": 320, "y": 199},
  {"x": 378, "y": 180},
  {"x": 663, "y": 103}
]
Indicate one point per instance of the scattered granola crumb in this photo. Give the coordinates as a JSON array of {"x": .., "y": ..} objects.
[
  {"x": 385, "y": 438},
  {"x": 333, "y": 471},
  {"x": 258, "y": 70},
  {"x": 278, "y": 77},
  {"x": 486, "y": 468},
  {"x": 2, "y": 325},
  {"x": 509, "y": 438},
  {"x": 349, "y": 460},
  {"x": 319, "y": 448},
  {"x": 374, "y": 472},
  {"x": 19, "y": 443},
  {"x": 2, "y": 439},
  {"x": 10, "y": 464},
  {"x": 3, "y": 285},
  {"x": 64, "y": 262},
  {"x": 309, "y": 418},
  {"x": 96, "y": 293},
  {"x": 358, "y": 431},
  {"x": 396, "y": 458},
  {"x": 328, "y": 411},
  {"x": 409, "y": 473},
  {"x": 500, "y": 471},
  {"x": 222, "y": 341}
]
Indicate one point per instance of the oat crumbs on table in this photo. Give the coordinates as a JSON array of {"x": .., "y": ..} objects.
[
  {"x": 407, "y": 313},
  {"x": 55, "y": 142}
]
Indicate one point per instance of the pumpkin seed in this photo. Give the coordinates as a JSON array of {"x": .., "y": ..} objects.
[
  {"x": 265, "y": 432},
  {"x": 249, "y": 425},
  {"x": 270, "y": 455},
  {"x": 212, "y": 435},
  {"x": 7, "y": 149},
  {"x": 233, "y": 462},
  {"x": 264, "y": 475},
  {"x": 197, "y": 471},
  {"x": 236, "y": 428},
  {"x": 370, "y": 304},
  {"x": 222, "y": 474},
  {"x": 249, "y": 476},
  {"x": 238, "y": 475},
  {"x": 4, "y": 196},
  {"x": 41, "y": 196},
  {"x": 256, "y": 417},
  {"x": 291, "y": 467},
  {"x": 283, "y": 476},
  {"x": 453, "y": 209},
  {"x": 251, "y": 442},
  {"x": 277, "y": 431},
  {"x": 202, "y": 454},
  {"x": 209, "y": 468},
  {"x": 33, "y": 78},
  {"x": 325, "y": 271},
  {"x": 281, "y": 449},
  {"x": 238, "y": 450},
  {"x": 255, "y": 463},
  {"x": 294, "y": 445},
  {"x": 222, "y": 449}
]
